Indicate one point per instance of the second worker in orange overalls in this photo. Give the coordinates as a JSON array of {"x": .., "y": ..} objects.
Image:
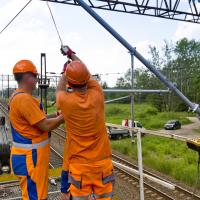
[{"x": 87, "y": 166}]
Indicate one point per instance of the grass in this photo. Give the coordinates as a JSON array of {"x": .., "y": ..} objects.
[
  {"x": 145, "y": 113},
  {"x": 51, "y": 109},
  {"x": 165, "y": 155}
]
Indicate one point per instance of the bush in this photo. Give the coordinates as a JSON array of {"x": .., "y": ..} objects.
[
  {"x": 114, "y": 111},
  {"x": 141, "y": 115},
  {"x": 165, "y": 155},
  {"x": 152, "y": 111}
]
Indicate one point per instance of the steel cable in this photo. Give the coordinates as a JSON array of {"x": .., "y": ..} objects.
[
  {"x": 54, "y": 23},
  {"x": 15, "y": 16}
]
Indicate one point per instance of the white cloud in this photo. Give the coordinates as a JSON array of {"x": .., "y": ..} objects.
[
  {"x": 143, "y": 48},
  {"x": 186, "y": 29},
  {"x": 29, "y": 35},
  {"x": 33, "y": 32}
]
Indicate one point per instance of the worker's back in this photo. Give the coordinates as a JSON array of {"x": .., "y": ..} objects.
[{"x": 87, "y": 139}]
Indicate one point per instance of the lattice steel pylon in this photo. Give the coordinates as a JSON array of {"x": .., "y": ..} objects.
[{"x": 188, "y": 11}]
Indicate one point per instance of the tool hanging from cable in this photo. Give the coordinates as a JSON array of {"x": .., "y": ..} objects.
[
  {"x": 54, "y": 23},
  {"x": 15, "y": 16}
]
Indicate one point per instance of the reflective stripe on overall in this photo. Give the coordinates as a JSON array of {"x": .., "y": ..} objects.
[
  {"x": 107, "y": 181},
  {"x": 26, "y": 160},
  {"x": 91, "y": 181}
]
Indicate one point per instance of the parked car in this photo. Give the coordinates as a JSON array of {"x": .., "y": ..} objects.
[
  {"x": 116, "y": 133},
  {"x": 172, "y": 125}
]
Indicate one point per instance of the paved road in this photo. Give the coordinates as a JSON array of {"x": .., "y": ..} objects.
[{"x": 190, "y": 131}]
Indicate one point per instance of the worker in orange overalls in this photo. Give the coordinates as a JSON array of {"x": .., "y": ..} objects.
[
  {"x": 30, "y": 126},
  {"x": 87, "y": 166}
]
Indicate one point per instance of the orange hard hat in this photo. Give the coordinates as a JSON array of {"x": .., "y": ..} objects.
[
  {"x": 24, "y": 66},
  {"x": 77, "y": 73}
]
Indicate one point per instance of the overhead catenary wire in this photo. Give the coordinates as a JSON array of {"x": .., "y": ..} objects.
[
  {"x": 15, "y": 16},
  {"x": 52, "y": 17},
  {"x": 115, "y": 73}
]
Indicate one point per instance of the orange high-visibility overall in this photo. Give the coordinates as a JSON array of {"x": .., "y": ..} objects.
[
  {"x": 30, "y": 150},
  {"x": 87, "y": 157}
]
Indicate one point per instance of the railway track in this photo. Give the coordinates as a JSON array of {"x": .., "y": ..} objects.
[
  {"x": 4, "y": 109},
  {"x": 10, "y": 190},
  {"x": 151, "y": 190},
  {"x": 178, "y": 193},
  {"x": 55, "y": 158},
  {"x": 59, "y": 132}
]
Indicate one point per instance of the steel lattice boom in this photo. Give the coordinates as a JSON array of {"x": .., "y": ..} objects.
[{"x": 188, "y": 11}]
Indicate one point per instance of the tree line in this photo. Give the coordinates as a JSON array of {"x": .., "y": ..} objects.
[{"x": 179, "y": 62}]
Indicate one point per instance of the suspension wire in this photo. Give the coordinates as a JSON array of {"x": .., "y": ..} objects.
[
  {"x": 15, "y": 16},
  {"x": 54, "y": 22}
]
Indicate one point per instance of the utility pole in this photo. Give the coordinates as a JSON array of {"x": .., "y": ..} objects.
[
  {"x": 132, "y": 96},
  {"x": 43, "y": 83},
  {"x": 139, "y": 145}
]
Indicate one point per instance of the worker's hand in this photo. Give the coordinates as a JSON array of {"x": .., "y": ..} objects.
[
  {"x": 66, "y": 51},
  {"x": 58, "y": 113},
  {"x": 61, "y": 119}
]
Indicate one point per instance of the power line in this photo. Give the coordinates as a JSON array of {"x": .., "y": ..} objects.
[
  {"x": 54, "y": 23},
  {"x": 116, "y": 73},
  {"x": 15, "y": 16}
]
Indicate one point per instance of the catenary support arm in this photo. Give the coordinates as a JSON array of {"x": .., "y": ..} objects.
[{"x": 169, "y": 84}]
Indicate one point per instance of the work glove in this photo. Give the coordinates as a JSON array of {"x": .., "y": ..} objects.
[
  {"x": 64, "y": 182},
  {"x": 66, "y": 51}
]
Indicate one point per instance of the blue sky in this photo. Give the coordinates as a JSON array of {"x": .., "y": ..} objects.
[{"x": 33, "y": 32}]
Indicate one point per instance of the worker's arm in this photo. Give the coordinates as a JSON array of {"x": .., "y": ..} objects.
[
  {"x": 50, "y": 124},
  {"x": 74, "y": 57},
  {"x": 30, "y": 111},
  {"x": 62, "y": 84},
  {"x": 67, "y": 51}
]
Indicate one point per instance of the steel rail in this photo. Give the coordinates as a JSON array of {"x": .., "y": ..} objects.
[
  {"x": 130, "y": 48},
  {"x": 128, "y": 163}
]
